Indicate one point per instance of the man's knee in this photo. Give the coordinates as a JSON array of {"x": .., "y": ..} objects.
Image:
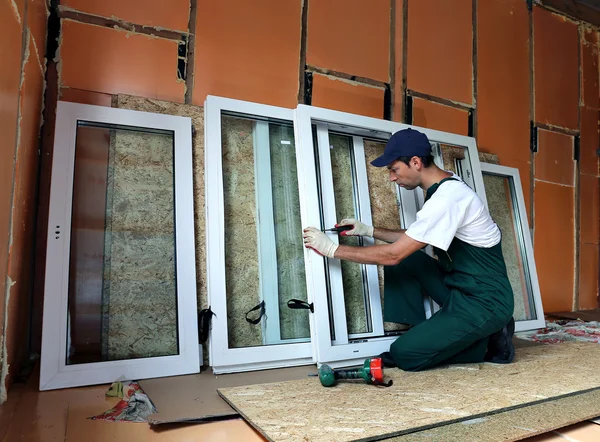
[{"x": 408, "y": 355}]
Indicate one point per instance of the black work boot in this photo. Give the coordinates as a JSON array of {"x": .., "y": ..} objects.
[{"x": 500, "y": 346}]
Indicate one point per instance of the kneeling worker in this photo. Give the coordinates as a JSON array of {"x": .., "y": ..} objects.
[{"x": 468, "y": 280}]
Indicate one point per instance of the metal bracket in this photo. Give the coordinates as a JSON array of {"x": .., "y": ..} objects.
[
  {"x": 308, "y": 85},
  {"x": 534, "y": 137},
  {"x": 408, "y": 109}
]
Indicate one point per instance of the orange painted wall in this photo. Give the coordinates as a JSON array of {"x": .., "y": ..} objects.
[
  {"x": 556, "y": 69},
  {"x": 503, "y": 89},
  {"x": 172, "y": 14},
  {"x": 440, "y": 117},
  {"x": 23, "y": 30},
  {"x": 345, "y": 96},
  {"x": 554, "y": 161},
  {"x": 350, "y": 36},
  {"x": 554, "y": 219},
  {"x": 589, "y": 187},
  {"x": 248, "y": 50},
  {"x": 440, "y": 48},
  {"x": 102, "y": 59},
  {"x": 554, "y": 242}
]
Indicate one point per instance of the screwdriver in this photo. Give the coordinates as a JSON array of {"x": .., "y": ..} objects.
[{"x": 339, "y": 229}]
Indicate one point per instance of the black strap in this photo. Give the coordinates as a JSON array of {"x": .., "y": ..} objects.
[
  {"x": 298, "y": 304},
  {"x": 260, "y": 307},
  {"x": 382, "y": 384},
  {"x": 434, "y": 187},
  {"x": 204, "y": 318}
]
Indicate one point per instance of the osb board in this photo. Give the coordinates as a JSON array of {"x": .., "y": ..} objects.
[
  {"x": 488, "y": 158},
  {"x": 343, "y": 185},
  {"x": 139, "y": 223},
  {"x": 497, "y": 191},
  {"x": 294, "y": 323},
  {"x": 196, "y": 113},
  {"x": 241, "y": 242},
  {"x": 385, "y": 205},
  {"x": 516, "y": 424},
  {"x": 195, "y": 398},
  {"x": 450, "y": 154},
  {"x": 304, "y": 409}
]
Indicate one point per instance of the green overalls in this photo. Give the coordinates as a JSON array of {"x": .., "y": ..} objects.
[{"x": 472, "y": 288}]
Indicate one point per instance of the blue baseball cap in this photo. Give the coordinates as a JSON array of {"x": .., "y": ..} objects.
[{"x": 404, "y": 143}]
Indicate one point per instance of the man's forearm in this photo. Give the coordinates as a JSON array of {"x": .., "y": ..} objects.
[
  {"x": 384, "y": 254},
  {"x": 387, "y": 235}
]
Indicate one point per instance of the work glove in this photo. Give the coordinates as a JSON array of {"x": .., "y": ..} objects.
[
  {"x": 319, "y": 242},
  {"x": 360, "y": 229}
]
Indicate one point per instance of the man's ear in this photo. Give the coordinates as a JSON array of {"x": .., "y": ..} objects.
[{"x": 416, "y": 162}]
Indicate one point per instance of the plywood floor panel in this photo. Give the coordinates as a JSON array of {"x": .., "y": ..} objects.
[
  {"x": 300, "y": 409},
  {"x": 515, "y": 425}
]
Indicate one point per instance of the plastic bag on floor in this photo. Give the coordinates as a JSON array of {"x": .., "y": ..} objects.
[{"x": 135, "y": 405}]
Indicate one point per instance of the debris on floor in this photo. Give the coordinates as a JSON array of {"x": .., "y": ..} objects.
[
  {"x": 564, "y": 331},
  {"x": 134, "y": 406}
]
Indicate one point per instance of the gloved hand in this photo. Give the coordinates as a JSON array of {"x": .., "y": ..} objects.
[
  {"x": 319, "y": 242},
  {"x": 360, "y": 229}
]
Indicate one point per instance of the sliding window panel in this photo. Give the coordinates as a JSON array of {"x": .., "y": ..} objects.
[
  {"x": 507, "y": 207},
  {"x": 120, "y": 292},
  {"x": 255, "y": 250},
  {"x": 347, "y": 296},
  {"x": 354, "y": 289}
]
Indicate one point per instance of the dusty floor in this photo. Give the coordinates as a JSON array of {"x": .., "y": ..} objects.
[{"x": 31, "y": 416}]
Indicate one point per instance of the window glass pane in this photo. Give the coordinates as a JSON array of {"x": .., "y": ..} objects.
[
  {"x": 502, "y": 204},
  {"x": 343, "y": 172},
  {"x": 122, "y": 281},
  {"x": 385, "y": 203},
  {"x": 264, "y": 258},
  {"x": 288, "y": 227}
]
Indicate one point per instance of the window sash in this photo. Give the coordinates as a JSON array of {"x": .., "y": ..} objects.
[
  {"x": 373, "y": 309},
  {"x": 224, "y": 359},
  {"x": 345, "y": 350},
  {"x": 54, "y": 372},
  {"x": 524, "y": 239}
]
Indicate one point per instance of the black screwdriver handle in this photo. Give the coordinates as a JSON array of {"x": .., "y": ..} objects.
[{"x": 340, "y": 228}]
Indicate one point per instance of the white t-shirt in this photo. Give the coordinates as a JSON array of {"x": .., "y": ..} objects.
[{"x": 454, "y": 210}]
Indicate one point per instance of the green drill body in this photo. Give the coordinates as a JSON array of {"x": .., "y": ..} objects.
[{"x": 329, "y": 377}]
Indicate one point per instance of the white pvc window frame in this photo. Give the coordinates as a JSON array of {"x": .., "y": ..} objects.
[
  {"x": 524, "y": 238},
  {"x": 346, "y": 349},
  {"x": 54, "y": 372},
  {"x": 224, "y": 359},
  {"x": 373, "y": 308}
]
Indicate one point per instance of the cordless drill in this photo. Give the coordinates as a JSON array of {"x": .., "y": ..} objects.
[{"x": 371, "y": 372}]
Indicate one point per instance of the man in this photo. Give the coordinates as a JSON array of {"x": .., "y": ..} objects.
[{"x": 468, "y": 279}]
